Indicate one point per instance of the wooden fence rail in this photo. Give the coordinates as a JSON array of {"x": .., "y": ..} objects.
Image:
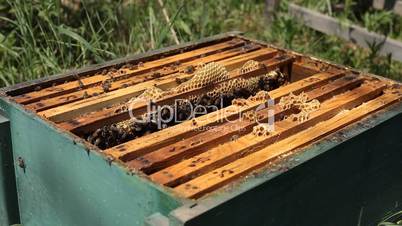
[{"x": 353, "y": 33}]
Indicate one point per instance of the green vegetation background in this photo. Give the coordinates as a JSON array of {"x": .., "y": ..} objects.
[{"x": 44, "y": 37}]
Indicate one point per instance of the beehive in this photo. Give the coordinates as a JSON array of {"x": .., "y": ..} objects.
[{"x": 84, "y": 155}]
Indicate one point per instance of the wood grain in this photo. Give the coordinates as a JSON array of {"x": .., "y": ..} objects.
[
  {"x": 111, "y": 115},
  {"x": 146, "y": 67},
  {"x": 217, "y": 178},
  {"x": 171, "y": 154},
  {"x": 71, "y": 110},
  {"x": 48, "y": 103},
  {"x": 146, "y": 144},
  {"x": 249, "y": 143}
]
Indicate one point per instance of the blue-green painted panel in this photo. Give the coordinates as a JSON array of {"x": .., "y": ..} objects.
[
  {"x": 8, "y": 193},
  {"x": 351, "y": 178},
  {"x": 63, "y": 184}
]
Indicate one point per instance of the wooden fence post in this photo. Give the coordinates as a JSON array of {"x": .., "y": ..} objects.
[{"x": 270, "y": 7}]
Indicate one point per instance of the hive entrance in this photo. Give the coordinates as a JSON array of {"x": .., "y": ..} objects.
[{"x": 229, "y": 137}]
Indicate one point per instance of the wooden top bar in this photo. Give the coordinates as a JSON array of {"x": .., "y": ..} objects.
[
  {"x": 225, "y": 174},
  {"x": 170, "y": 135},
  {"x": 232, "y": 150},
  {"x": 71, "y": 110},
  {"x": 159, "y": 73},
  {"x": 145, "y": 67},
  {"x": 114, "y": 114},
  {"x": 311, "y": 100},
  {"x": 191, "y": 146}
]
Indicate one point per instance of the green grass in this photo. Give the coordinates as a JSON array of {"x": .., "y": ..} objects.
[
  {"x": 41, "y": 38},
  {"x": 361, "y": 13},
  {"x": 354, "y": 12},
  {"x": 392, "y": 219}
]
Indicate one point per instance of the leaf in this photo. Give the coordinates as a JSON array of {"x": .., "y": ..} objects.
[
  {"x": 81, "y": 40},
  {"x": 8, "y": 20},
  {"x": 76, "y": 37},
  {"x": 183, "y": 26}
]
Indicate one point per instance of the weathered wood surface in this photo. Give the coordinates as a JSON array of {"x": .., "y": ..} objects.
[
  {"x": 171, "y": 154},
  {"x": 392, "y": 5},
  {"x": 160, "y": 73},
  {"x": 107, "y": 116},
  {"x": 271, "y": 6},
  {"x": 301, "y": 71},
  {"x": 249, "y": 143},
  {"x": 71, "y": 74},
  {"x": 145, "y": 67},
  {"x": 143, "y": 145},
  {"x": 68, "y": 111},
  {"x": 221, "y": 176},
  {"x": 198, "y": 156}
]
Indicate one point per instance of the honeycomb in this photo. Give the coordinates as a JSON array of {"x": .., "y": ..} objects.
[
  {"x": 300, "y": 102},
  {"x": 261, "y": 130},
  {"x": 204, "y": 75},
  {"x": 207, "y": 74},
  {"x": 125, "y": 126},
  {"x": 311, "y": 106},
  {"x": 153, "y": 93},
  {"x": 239, "y": 102},
  {"x": 249, "y": 115},
  {"x": 251, "y": 84},
  {"x": 250, "y": 65},
  {"x": 237, "y": 91},
  {"x": 260, "y": 96},
  {"x": 305, "y": 111},
  {"x": 291, "y": 100}
]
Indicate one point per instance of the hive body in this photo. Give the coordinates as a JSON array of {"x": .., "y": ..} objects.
[{"x": 280, "y": 133}]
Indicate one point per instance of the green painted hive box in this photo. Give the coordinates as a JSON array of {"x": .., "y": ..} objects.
[{"x": 222, "y": 131}]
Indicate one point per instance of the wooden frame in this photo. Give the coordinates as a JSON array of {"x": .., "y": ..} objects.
[
  {"x": 176, "y": 156},
  {"x": 346, "y": 165}
]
